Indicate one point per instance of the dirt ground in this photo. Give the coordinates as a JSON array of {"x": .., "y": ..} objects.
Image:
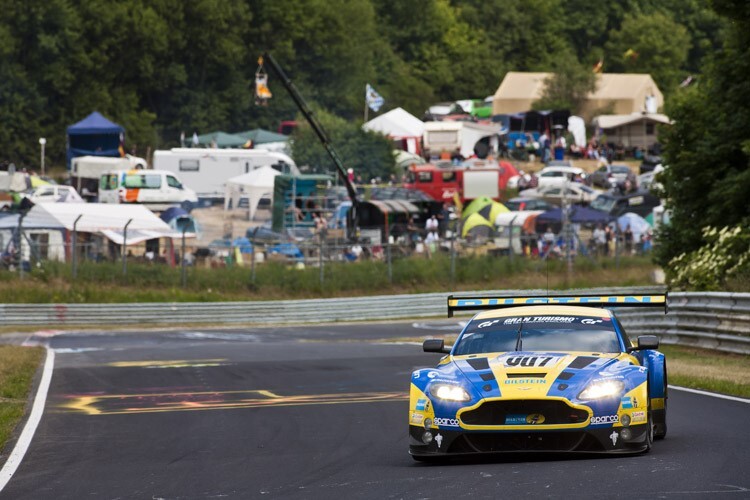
[{"x": 216, "y": 223}]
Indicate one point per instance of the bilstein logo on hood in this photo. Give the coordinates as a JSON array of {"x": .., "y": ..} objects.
[{"x": 535, "y": 418}]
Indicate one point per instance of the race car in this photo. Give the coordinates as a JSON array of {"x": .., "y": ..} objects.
[{"x": 553, "y": 374}]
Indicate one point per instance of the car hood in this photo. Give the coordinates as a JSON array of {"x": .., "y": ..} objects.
[{"x": 534, "y": 374}]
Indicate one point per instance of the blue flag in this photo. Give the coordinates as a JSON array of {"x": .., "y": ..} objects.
[{"x": 373, "y": 99}]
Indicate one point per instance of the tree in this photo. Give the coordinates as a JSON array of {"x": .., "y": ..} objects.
[
  {"x": 708, "y": 146},
  {"x": 651, "y": 43},
  {"x": 368, "y": 153},
  {"x": 568, "y": 86}
]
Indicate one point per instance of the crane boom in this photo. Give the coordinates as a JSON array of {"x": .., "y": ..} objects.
[{"x": 323, "y": 137}]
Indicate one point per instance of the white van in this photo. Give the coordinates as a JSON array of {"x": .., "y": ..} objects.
[{"x": 157, "y": 189}]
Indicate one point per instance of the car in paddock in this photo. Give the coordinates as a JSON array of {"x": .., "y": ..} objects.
[{"x": 547, "y": 374}]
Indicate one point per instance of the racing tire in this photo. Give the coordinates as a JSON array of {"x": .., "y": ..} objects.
[{"x": 660, "y": 423}]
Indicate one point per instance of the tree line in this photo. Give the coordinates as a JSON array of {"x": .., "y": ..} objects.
[{"x": 162, "y": 67}]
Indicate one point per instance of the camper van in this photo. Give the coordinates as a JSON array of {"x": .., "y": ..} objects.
[
  {"x": 156, "y": 189},
  {"x": 456, "y": 139},
  {"x": 206, "y": 171}
]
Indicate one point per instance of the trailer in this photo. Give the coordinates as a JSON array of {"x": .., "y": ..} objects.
[
  {"x": 456, "y": 139},
  {"x": 206, "y": 171}
]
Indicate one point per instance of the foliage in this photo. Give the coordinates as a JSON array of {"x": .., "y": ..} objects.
[
  {"x": 17, "y": 367},
  {"x": 368, "y": 153},
  {"x": 568, "y": 86},
  {"x": 708, "y": 146},
  {"x": 165, "y": 67},
  {"x": 725, "y": 254}
]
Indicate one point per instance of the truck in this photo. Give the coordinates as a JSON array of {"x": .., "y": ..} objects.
[
  {"x": 467, "y": 181},
  {"x": 206, "y": 170},
  {"x": 460, "y": 139},
  {"x": 85, "y": 171}
]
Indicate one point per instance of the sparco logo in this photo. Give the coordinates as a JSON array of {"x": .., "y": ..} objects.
[
  {"x": 605, "y": 419},
  {"x": 452, "y": 422}
]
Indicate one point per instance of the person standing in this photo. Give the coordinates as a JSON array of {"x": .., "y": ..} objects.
[{"x": 628, "y": 240}]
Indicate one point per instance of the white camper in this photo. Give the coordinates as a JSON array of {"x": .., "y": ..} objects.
[
  {"x": 156, "y": 189},
  {"x": 206, "y": 171},
  {"x": 87, "y": 170},
  {"x": 460, "y": 139}
]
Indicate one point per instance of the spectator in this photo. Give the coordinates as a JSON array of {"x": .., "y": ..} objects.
[
  {"x": 628, "y": 240},
  {"x": 600, "y": 240},
  {"x": 431, "y": 227},
  {"x": 548, "y": 239},
  {"x": 610, "y": 238}
]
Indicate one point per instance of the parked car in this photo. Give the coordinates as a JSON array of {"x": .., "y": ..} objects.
[
  {"x": 558, "y": 175},
  {"x": 641, "y": 202},
  {"x": 608, "y": 176},
  {"x": 574, "y": 192},
  {"x": 56, "y": 193},
  {"x": 523, "y": 203}
]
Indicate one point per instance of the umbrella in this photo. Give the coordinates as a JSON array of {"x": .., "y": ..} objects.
[{"x": 638, "y": 225}]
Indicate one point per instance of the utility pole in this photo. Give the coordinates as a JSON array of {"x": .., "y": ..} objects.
[{"x": 124, "y": 249}]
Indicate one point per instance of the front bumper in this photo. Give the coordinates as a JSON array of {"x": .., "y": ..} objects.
[{"x": 588, "y": 440}]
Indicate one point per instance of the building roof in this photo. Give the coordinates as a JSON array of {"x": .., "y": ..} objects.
[
  {"x": 614, "y": 121},
  {"x": 523, "y": 85}
]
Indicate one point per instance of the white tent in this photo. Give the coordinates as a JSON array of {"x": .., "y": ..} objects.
[
  {"x": 396, "y": 123},
  {"x": 253, "y": 186},
  {"x": 106, "y": 219}
]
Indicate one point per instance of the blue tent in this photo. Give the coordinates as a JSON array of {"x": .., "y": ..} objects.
[
  {"x": 94, "y": 136},
  {"x": 577, "y": 214}
]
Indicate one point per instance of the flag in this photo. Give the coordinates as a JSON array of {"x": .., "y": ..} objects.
[
  {"x": 687, "y": 81},
  {"x": 121, "y": 147},
  {"x": 182, "y": 139},
  {"x": 630, "y": 54},
  {"x": 195, "y": 139},
  {"x": 374, "y": 100},
  {"x": 598, "y": 66}
]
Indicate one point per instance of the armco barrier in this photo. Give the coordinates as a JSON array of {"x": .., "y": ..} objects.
[{"x": 719, "y": 321}]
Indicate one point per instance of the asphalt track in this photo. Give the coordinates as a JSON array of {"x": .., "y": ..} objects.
[{"x": 315, "y": 412}]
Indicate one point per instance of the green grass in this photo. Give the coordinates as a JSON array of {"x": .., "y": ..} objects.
[
  {"x": 104, "y": 282},
  {"x": 708, "y": 370},
  {"x": 17, "y": 368}
]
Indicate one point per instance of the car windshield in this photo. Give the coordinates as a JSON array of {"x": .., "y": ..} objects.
[
  {"x": 513, "y": 205},
  {"x": 539, "y": 333},
  {"x": 603, "y": 203},
  {"x": 620, "y": 169}
]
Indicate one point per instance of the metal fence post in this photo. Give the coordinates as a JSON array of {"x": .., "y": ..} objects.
[
  {"x": 453, "y": 253},
  {"x": 252, "y": 263},
  {"x": 125, "y": 249},
  {"x": 74, "y": 257},
  {"x": 19, "y": 247},
  {"x": 389, "y": 261},
  {"x": 320, "y": 258},
  {"x": 183, "y": 271}
]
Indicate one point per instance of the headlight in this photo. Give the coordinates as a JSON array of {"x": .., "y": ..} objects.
[
  {"x": 450, "y": 392},
  {"x": 602, "y": 389}
]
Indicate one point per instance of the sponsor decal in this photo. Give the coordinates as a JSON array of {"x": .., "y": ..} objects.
[
  {"x": 531, "y": 361},
  {"x": 416, "y": 418},
  {"x": 439, "y": 440},
  {"x": 605, "y": 419},
  {"x": 450, "y": 422},
  {"x": 415, "y": 374},
  {"x": 432, "y": 374},
  {"x": 422, "y": 405},
  {"x": 638, "y": 416},
  {"x": 515, "y": 419},
  {"x": 589, "y": 321},
  {"x": 525, "y": 381},
  {"x": 614, "y": 437},
  {"x": 539, "y": 319},
  {"x": 626, "y": 402},
  {"x": 535, "y": 418}
]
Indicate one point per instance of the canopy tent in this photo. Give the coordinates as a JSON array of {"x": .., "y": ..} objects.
[
  {"x": 266, "y": 140},
  {"x": 484, "y": 206},
  {"x": 221, "y": 139},
  {"x": 638, "y": 225},
  {"x": 106, "y": 219},
  {"x": 405, "y": 159},
  {"x": 476, "y": 227},
  {"x": 94, "y": 136},
  {"x": 576, "y": 214},
  {"x": 396, "y": 123},
  {"x": 253, "y": 185}
]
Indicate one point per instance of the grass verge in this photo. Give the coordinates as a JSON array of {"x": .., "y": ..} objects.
[
  {"x": 17, "y": 367},
  {"x": 713, "y": 371}
]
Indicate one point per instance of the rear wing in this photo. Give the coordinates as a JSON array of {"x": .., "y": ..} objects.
[{"x": 500, "y": 302}]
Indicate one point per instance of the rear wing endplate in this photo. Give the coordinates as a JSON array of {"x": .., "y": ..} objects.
[{"x": 500, "y": 302}]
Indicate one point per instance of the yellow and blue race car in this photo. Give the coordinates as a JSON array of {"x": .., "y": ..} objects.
[{"x": 555, "y": 373}]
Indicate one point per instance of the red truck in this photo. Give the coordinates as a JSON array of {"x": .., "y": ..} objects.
[{"x": 471, "y": 179}]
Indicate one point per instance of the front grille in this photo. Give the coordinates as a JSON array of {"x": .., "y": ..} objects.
[
  {"x": 494, "y": 412},
  {"x": 525, "y": 441}
]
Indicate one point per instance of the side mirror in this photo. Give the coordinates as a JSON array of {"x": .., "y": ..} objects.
[
  {"x": 435, "y": 345},
  {"x": 646, "y": 342}
]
